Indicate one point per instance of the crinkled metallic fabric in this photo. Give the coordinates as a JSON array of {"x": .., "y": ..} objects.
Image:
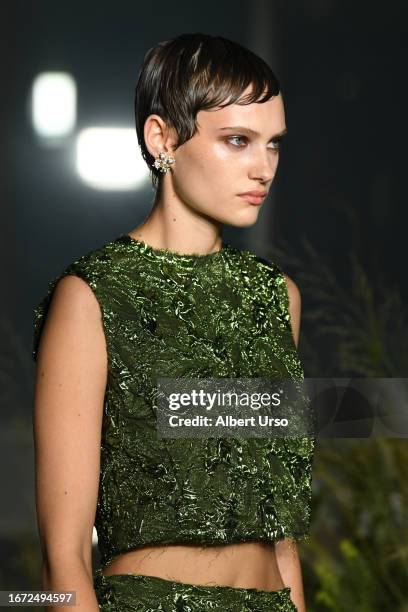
[
  {"x": 137, "y": 593},
  {"x": 167, "y": 314}
]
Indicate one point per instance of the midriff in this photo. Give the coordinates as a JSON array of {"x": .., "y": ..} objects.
[{"x": 242, "y": 565}]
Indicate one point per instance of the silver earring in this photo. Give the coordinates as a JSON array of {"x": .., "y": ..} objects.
[{"x": 163, "y": 161}]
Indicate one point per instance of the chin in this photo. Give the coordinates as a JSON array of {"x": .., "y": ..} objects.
[{"x": 244, "y": 219}]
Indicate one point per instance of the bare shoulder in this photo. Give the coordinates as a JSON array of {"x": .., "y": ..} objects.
[
  {"x": 295, "y": 301},
  {"x": 72, "y": 291},
  {"x": 293, "y": 291},
  {"x": 68, "y": 409}
]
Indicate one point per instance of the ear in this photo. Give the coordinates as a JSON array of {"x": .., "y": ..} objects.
[{"x": 157, "y": 135}]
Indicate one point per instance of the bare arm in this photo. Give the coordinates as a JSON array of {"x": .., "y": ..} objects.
[
  {"x": 295, "y": 304},
  {"x": 68, "y": 406},
  {"x": 287, "y": 555}
]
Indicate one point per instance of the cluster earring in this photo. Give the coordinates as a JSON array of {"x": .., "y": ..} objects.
[{"x": 163, "y": 161}]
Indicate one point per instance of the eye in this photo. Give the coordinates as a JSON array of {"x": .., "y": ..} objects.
[
  {"x": 276, "y": 142},
  {"x": 236, "y": 137}
]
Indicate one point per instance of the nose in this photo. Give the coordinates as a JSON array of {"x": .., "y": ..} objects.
[{"x": 263, "y": 166}]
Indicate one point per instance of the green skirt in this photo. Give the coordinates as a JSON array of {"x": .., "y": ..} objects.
[{"x": 140, "y": 593}]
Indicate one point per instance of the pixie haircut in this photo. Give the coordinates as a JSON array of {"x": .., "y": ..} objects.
[{"x": 193, "y": 72}]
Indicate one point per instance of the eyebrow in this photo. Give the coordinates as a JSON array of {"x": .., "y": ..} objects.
[{"x": 241, "y": 128}]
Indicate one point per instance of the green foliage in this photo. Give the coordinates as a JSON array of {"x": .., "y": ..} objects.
[
  {"x": 364, "y": 327},
  {"x": 357, "y": 556}
]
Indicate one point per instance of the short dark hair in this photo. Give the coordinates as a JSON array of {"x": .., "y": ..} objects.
[{"x": 193, "y": 72}]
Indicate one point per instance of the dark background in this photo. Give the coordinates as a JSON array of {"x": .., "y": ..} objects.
[{"x": 342, "y": 70}]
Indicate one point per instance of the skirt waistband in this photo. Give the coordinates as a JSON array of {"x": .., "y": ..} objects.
[{"x": 113, "y": 586}]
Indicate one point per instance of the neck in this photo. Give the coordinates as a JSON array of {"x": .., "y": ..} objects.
[{"x": 172, "y": 224}]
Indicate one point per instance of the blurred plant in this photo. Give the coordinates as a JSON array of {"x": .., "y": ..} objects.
[
  {"x": 357, "y": 556},
  {"x": 367, "y": 325}
]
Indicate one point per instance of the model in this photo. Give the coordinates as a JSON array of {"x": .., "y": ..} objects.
[{"x": 204, "y": 523}]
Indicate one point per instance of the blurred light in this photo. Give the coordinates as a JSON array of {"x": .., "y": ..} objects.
[
  {"x": 94, "y": 537},
  {"x": 109, "y": 158},
  {"x": 53, "y": 104}
]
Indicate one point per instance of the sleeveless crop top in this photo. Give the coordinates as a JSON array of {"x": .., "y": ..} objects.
[{"x": 220, "y": 315}]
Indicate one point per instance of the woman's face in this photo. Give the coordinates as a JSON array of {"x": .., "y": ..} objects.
[{"x": 225, "y": 159}]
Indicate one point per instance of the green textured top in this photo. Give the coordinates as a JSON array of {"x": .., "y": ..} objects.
[{"x": 168, "y": 314}]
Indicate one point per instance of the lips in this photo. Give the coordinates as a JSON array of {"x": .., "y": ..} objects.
[
  {"x": 255, "y": 193},
  {"x": 254, "y": 197}
]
